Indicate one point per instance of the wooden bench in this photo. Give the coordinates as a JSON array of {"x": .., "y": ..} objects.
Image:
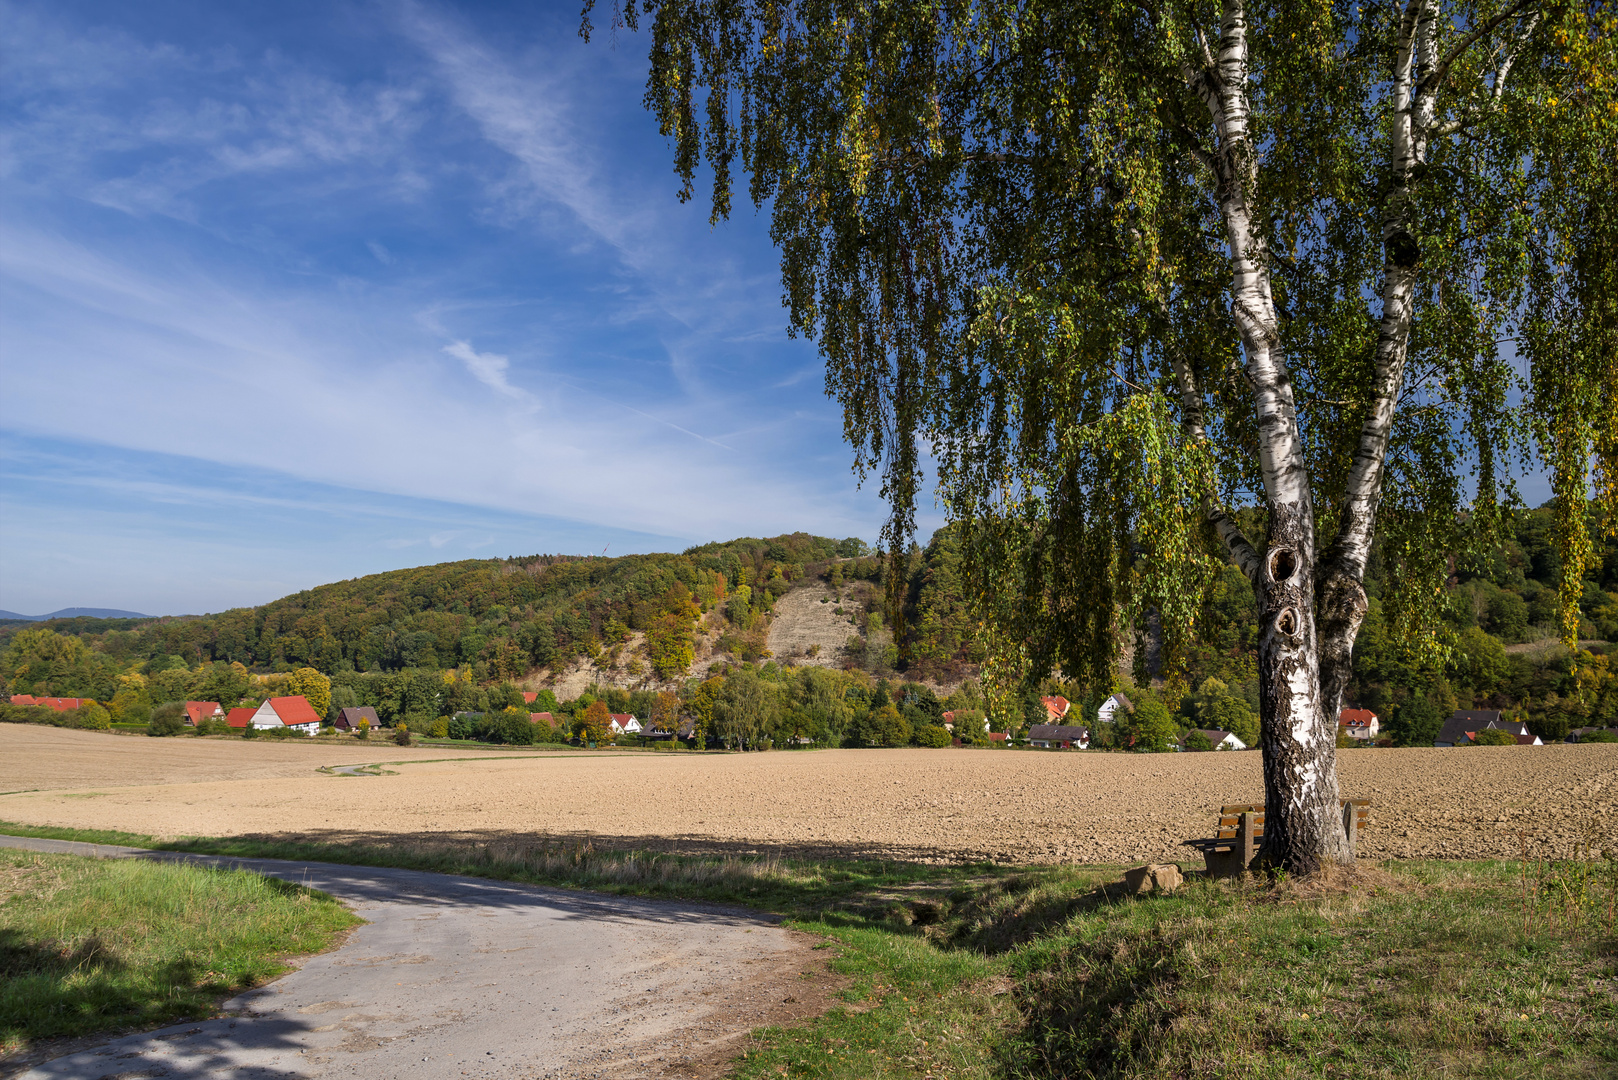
[{"x": 1232, "y": 848}]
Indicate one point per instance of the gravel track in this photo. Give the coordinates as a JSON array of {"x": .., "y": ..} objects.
[
  {"x": 933, "y": 805},
  {"x": 455, "y": 976}
]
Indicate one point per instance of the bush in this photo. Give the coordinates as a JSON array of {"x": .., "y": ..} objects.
[
  {"x": 1196, "y": 740},
  {"x": 439, "y": 729},
  {"x": 932, "y": 736},
  {"x": 167, "y": 720},
  {"x": 1494, "y": 737},
  {"x": 401, "y": 734},
  {"x": 1598, "y": 736},
  {"x": 364, "y": 730},
  {"x": 90, "y": 717}
]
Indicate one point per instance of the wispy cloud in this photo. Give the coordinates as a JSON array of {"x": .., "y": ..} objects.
[
  {"x": 488, "y": 368},
  {"x": 286, "y": 248}
]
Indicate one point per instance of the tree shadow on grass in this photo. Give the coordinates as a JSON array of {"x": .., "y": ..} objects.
[{"x": 55, "y": 989}]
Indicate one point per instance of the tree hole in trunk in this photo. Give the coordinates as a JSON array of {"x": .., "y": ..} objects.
[
  {"x": 1287, "y": 622},
  {"x": 1283, "y": 564}
]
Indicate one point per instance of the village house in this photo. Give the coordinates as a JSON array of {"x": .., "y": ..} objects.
[
  {"x": 1221, "y": 740},
  {"x": 287, "y": 712},
  {"x": 198, "y": 711},
  {"x": 623, "y": 723},
  {"x": 1059, "y": 736},
  {"x": 1581, "y": 734},
  {"x": 1108, "y": 708},
  {"x": 240, "y": 718},
  {"x": 542, "y": 718},
  {"x": 1056, "y": 707},
  {"x": 60, "y": 704},
  {"x": 349, "y": 719},
  {"x": 1359, "y": 724},
  {"x": 1462, "y": 728}
]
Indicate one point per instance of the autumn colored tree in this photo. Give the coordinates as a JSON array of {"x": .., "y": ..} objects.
[
  {"x": 670, "y": 646},
  {"x": 1125, "y": 267},
  {"x": 313, "y": 686},
  {"x": 593, "y": 722},
  {"x": 666, "y": 711}
]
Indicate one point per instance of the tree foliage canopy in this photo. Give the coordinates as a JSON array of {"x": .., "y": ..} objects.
[{"x": 1123, "y": 267}]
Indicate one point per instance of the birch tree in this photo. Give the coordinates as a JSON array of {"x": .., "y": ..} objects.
[{"x": 1151, "y": 284}]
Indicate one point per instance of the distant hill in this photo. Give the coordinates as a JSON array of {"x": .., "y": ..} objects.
[
  {"x": 76, "y": 613},
  {"x": 508, "y": 615}
]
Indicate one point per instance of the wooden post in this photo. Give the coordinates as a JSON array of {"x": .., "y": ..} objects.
[
  {"x": 1351, "y": 825},
  {"x": 1247, "y": 842}
]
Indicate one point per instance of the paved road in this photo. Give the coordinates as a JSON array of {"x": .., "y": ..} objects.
[{"x": 456, "y": 976}]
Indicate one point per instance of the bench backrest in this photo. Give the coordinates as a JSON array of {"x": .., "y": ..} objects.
[{"x": 1230, "y": 817}]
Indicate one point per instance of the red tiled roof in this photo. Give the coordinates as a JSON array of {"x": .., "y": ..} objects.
[
  {"x": 997, "y": 736},
  {"x": 541, "y": 718},
  {"x": 60, "y": 704},
  {"x": 1056, "y": 705},
  {"x": 24, "y": 699},
  {"x": 622, "y": 717},
  {"x": 1356, "y": 717},
  {"x": 239, "y": 717},
  {"x": 528, "y": 696},
  {"x": 294, "y": 710},
  {"x": 198, "y": 711}
]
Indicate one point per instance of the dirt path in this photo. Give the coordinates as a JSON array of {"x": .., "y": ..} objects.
[{"x": 455, "y": 976}]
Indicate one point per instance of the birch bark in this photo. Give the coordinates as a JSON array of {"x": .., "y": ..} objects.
[{"x": 1302, "y": 826}]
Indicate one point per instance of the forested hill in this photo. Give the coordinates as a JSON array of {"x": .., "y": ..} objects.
[
  {"x": 507, "y": 615},
  {"x": 497, "y": 621}
]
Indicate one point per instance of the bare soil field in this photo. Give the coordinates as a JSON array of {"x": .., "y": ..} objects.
[
  {"x": 933, "y": 805},
  {"x": 33, "y": 756}
]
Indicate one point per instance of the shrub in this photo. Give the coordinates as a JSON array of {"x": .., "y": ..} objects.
[
  {"x": 932, "y": 736},
  {"x": 439, "y": 729},
  {"x": 1196, "y": 740},
  {"x": 1598, "y": 736},
  {"x": 89, "y": 717},
  {"x": 401, "y": 734},
  {"x": 364, "y": 729},
  {"x": 167, "y": 720},
  {"x": 1494, "y": 737}
]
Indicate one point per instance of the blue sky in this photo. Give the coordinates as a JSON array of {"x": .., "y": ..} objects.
[{"x": 294, "y": 292}]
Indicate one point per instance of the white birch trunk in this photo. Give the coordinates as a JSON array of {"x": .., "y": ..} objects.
[{"x": 1302, "y": 825}]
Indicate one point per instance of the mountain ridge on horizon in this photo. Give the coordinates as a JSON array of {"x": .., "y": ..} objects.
[{"x": 76, "y": 613}]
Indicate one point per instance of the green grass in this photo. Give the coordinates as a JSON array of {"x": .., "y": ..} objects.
[
  {"x": 1419, "y": 970},
  {"x": 94, "y": 945}
]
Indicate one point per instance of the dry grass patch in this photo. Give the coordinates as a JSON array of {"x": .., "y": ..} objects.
[{"x": 89, "y": 945}]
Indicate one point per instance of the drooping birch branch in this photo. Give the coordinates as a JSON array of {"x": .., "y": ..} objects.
[{"x": 1192, "y": 421}]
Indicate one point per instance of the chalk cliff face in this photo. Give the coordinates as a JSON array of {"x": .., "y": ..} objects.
[{"x": 807, "y": 628}]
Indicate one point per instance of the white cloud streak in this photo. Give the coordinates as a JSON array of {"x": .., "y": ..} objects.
[{"x": 488, "y": 368}]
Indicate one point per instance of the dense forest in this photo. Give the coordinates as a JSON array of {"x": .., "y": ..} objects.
[{"x": 432, "y": 642}]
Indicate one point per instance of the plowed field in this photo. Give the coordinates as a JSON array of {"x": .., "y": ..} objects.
[{"x": 1008, "y": 805}]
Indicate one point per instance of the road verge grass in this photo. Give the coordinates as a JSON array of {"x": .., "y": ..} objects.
[
  {"x": 93, "y": 945},
  {"x": 1441, "y": 969}
]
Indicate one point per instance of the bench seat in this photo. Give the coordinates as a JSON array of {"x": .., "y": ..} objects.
[{"x": 1232, "y": 848}]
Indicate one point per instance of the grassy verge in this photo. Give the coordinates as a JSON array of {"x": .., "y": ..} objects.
[
  {"x": 91, "y": 945},
  {"x": 1485, "y": 969}
]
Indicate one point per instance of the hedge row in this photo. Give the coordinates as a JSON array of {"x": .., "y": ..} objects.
[{"x": 90, "y": 717}]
